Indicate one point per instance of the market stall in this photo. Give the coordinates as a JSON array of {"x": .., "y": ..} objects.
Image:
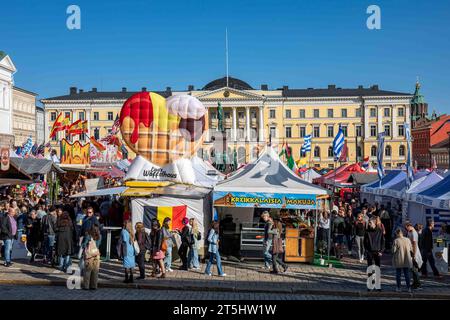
[{"x": 267, "y": 184}]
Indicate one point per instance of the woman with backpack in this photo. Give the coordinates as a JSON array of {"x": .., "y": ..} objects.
[
  {"x": 193, "y": 261},
  {"x": 91, "y": 256},
  {"x": 157, "y": 240},
  {"x": 143, "y": 241},
  {"x": 126, "y": 244},
  {"x": 277, "y": 246}
]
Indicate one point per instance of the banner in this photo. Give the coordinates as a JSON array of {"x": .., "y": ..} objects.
[
  {"x": 264, "y": 200},
  {"x": 74, "y": 153}
]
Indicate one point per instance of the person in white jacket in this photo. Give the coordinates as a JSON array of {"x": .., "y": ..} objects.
[{"x": 417, "y": 257}]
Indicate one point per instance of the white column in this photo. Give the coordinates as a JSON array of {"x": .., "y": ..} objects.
[
  {"x": 380, "y": 119},
  {"x": 394, "y": 122},
  {"x": 408, "y": 114},
  {"x": 88, "y": 118},
  {"x": 261, "y": 124},
  {"x": 234, "y": 133},
  {"x": 208, "y": 121},
  {"x": 247, "y": 118},
  {"x": 46, "y": 129}
]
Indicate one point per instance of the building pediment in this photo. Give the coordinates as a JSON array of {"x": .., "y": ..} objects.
[
  {"x": 6, "y": 63},
  {"x": 229, "y": 93}
]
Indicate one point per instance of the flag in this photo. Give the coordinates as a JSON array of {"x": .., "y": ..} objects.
[
  {"x": 115, "y": 126},
  {"x": 78, "y": 127},
  {"x": 287, "y": 151},
  {"x": 176, "y": 215},
  {"x": 365, "y": 163},
  {"x": 57, "y": 126},
  {"x": 344, "y": 154},
  {"x": 338, "y": 144},
  {"x": 100, "y": 147},
  {"x": 306, "y": 144},
  {"x": 27, "y": 147},
  {"x": 380, "y": 153},
  {"x": 409, "y": 169},
  {"x": 65, "y": 123}
]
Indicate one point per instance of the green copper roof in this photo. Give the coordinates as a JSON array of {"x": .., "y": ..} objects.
[
  {"x": 2, "y": 54},
  {"x": 418, "y": 97}
]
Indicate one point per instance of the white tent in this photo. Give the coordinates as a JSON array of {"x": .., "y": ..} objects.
[{"x": 310, "y": 174}]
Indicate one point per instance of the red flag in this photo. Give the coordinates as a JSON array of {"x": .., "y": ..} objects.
[
  {"x": 344, "y": 153},
  {"x": 57, "y": 126}
]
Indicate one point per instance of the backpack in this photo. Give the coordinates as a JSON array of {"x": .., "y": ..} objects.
[{"x": 91, "y": 250}]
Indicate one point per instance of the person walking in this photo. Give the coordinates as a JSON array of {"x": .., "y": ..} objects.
[
  {"x": 156, "y": 237},
  {"x": 186, "y": 243},
  {"x": 144, "y": 243},
  {"x": 401, "y": 259},
  {"x": 416, "y": 256},
  {"x": 373, "y": 243},
  {"x": 360, "y": 230},
  {"x": 324, "y": 227},
  {"x": 213, "y": 249},
  {"x": 91, "y": 256},
  {"x": 338, "y": 228},
  {"x": 267, "y": 242},
  {"x": 277, "y": 246},
  {"x": 49, "y": 233},
  {"x": 33, "y": 231},
  {"x": 193, "y": 261},
  {"x": 349, "y": 231},
  {"x": 64, "y": 240},
  {"x": 170, "y": 243},
  {"x": 126, "y": 243},
  {"x": 427, "y": 246},
  {"x": 386, "y": 221},
  {"x": 8, "y": 234}
]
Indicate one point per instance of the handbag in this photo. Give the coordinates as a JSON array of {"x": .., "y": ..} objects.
[
  {"x": 136, "y": 247},
  {"x": 164, "y": 245}
]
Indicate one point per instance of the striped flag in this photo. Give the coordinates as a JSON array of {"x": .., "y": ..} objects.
[
  {"x": 306, "y": 144},
  {"x": 176, "y": 215},
  {"x": 57, "y": 125},
  {"x": 338, "y": 144},
  {"x": 409, "y": 169},
  {"x": 27, "y": 147},
  {"x": 380, "y": 153}
]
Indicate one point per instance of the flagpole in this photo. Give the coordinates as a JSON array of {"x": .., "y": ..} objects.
[
  {"x": 309, "y": 169},
  {"x": 226, "y": 51}
]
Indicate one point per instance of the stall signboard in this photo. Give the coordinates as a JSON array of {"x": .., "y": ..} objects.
[{"x": 265, "y": 200}]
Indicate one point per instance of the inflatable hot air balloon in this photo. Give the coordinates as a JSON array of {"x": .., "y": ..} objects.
[{"x": 163, "y": 131}]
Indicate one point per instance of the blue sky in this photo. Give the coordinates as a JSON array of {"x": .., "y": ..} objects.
[{"x": 176, "y": 43}]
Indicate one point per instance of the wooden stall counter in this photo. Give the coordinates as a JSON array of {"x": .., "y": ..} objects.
[{"x": 299, "y": 245}]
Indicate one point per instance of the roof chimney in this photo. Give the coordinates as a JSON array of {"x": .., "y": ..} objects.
[
  {"x": 360, "y": 87},
  {"x": 190, "y": 87},
  {"x": 81, "y": 90},
  {"x": 375, "y": 87},
  {"x": 73, "y": 90},
  {"x": 264, "y": 87},
  {"x": 124, "y": 89},
  {"x": 94, "y": 89},
  {"x": 285, "y": 88},
  {"x": 168, "y": 89},
  {"x": 144, "y": 89},
  {"x": 310, "y": 88},
  {"x": 331, "y": 86}
]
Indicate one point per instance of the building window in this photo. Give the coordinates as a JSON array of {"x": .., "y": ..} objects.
[
  {"x": 272, "y": 114},
  {"x": 288, "y": 113},
  {"x": 373, "y": 130},
  {"x": 302, "y": 113},
  {"x": 330, "y": 131},
  {"x": 96, "y": 116},
  {"x": 81, "y": 116},
  {"x": 387, "y": 130},
  {"x": 213, "y": 115},
  {"x": 344, "y": 113},
  {"x": 330, "y": 113},
  {"x": 81, "y": 137},
  {"x": 330, "y": 152},
  {"x": 241, "y": 115},
  {"x": 345, "y": 130},
  {"x": 97, "y": 133},
  {"x": 52, "y": 116},
  {"x": 331, "y": 166},
  {"x": 387, "y": 112},
  {"x": 373, "y": 151},
  {"x": 110, "y": 116},
  {"x": 401, "y": 151},
  {"x": 358, "y": 152},
  {"x": 401, "y": 130},
  {"x": 316, "y": 152},
  {"x": 373, "y": 112},
  {"x": 302, "y": 132},
  {"x": 401, "y": 112},
  {"x": 67, "y": 115},
  {"x": 388, "y": 151},
  {"x": 273, "y": 132},
  {"x": 241, "y": 134},
  {"x": 55, "y": 137},
  {"x": 388, "y": 165},
  {"x": 316, "y": 132},
  {"x": 358, "y": 112},
  {"x": 288, "y": 132},
  {"x": 358, "y": 130},
  {"x": 316, "y": 113}
]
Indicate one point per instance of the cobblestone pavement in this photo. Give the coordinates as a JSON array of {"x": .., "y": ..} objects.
[
  {"x": 300, "y": 279},
  {"x": 11, "y": 292}
]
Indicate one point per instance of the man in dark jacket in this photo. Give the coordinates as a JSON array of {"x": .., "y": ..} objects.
[
  {"x": 8, "y": 234},
  {"x": 49, "y": 232},
  {"x": 374, "y": 243},
  {"x": 338, "y": 230},
  {"x": 427, "y": 250}
]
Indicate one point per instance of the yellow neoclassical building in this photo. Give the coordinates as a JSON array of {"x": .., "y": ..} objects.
[{"x": 255, "y": 116}]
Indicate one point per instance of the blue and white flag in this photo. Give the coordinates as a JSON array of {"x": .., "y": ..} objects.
[
  {"x": 380, "y": 153},
  {"x": 306, "y": 144},
  {"x": 27, "y": 147},
  {"x": 409, "y": 169},
  {"x": 338, "y": 144}
]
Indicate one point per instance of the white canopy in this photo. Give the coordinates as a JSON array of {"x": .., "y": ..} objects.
[
  {"x": 268, "y": 174},
  {"x": 310, "y": 174}
]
